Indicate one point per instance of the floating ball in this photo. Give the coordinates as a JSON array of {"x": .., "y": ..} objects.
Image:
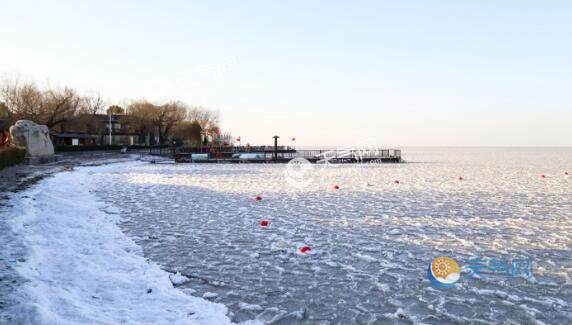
[
  {"x": 566, "y": 173},
  {"x": 336, "y": 187},
  {"x": 264, "y": 223},
  {"x": 461, "y": 178},
  {"x": 542, "y": 176},
  {"x": 258, "y": 198},
  {"x": 396, "y": 181},
  {"x": 305, "y": 249}
]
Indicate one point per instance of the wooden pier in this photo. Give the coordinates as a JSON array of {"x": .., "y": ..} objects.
[{"x": 277, "y": 154}]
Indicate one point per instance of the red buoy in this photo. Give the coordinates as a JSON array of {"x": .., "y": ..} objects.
[
  {"x": 264, "y": 223},
  {"x": 542, "y": 176},
  {"x": 566, "y": 173},
  {"x": 258, "y": 198},
  {"x": 461, "y": 178},
  {"x": 396, "y": 181},
  {"x": 305, "y": 249},
  {"x": 336, "y": 187}
]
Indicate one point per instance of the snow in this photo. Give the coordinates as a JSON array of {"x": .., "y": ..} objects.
[
  {"x": 371, "y": 242},
  {"x": 246, "y": 306},
  {"x": 178, "y": 279},
  {"x": 82, "y": 269}
]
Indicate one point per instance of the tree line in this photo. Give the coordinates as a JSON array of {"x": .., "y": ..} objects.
[{"x": 64, "y": 109}]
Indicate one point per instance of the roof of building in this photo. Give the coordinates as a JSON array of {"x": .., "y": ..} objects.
[{"x": 77, "y": 135}]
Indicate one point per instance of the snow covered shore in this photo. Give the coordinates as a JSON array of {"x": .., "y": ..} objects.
[{"x": 81, "y": 268}]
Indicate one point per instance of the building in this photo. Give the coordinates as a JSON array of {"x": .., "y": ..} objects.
[
  {"x": 101, "y": 129},
  {"x": 73, "y": 139}
]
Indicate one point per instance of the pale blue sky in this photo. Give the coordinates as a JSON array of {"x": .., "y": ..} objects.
[{"x": 327, "y": 72}]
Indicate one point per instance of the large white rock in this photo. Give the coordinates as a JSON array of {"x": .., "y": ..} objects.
[{"x": 35, "y": 137}]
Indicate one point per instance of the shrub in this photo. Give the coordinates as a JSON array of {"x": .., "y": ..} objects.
[{"x": 11, "y": 156}]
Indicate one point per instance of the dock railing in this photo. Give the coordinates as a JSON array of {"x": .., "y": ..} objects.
[
  {"x": 356, "y": 154},
  {"x": 285, "y": 154}
]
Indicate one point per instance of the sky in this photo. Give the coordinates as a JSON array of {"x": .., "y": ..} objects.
[{"x": 329, "y": 73}]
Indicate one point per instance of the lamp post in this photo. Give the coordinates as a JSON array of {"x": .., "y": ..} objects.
[
  {"x": 202, "y": 133},
  {"x": 275, "y": 147},
  {"x": 110, "y": 141}
]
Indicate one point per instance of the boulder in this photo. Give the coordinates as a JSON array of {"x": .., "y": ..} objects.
[{"x": 34, "y": 137}]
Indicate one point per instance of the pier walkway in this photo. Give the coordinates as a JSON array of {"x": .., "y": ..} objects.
[{"x": 269, "y": 154}]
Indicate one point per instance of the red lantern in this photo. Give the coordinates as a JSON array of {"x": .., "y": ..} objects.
[
  {"x": 264, "y": 223},
  {"x": 258, "y": 198},
  {"x": 305, "y": 249}
]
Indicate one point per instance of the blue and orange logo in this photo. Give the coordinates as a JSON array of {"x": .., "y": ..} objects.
[{"x": 443, "y": 272}]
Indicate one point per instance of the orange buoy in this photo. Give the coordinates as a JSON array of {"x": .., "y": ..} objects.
[
  {"x": 258, "y": 198},
  {"x": 336, "y": 187},
  {"x": 264, "y": 223},
  {"x": 305, "y": 249}
]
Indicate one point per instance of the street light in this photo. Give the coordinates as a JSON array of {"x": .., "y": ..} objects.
[
  {"x": 202, "y": 133},
  {"x": 110, "y": 137},
  {"x": 275, "y": 147}
]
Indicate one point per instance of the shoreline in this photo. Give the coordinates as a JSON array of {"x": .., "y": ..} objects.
[
  {"x": 64, "y": 240},
  {"x": 14, "y": 180}
]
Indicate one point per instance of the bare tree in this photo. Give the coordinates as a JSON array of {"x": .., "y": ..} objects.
[
  {"x": 148, "y": 116},
  {"x": 207, "y": 119},
  {"x": 171, "y": 114},
  {"x": 51, "y": 107},
  {"x": 59, "y": 106},
  {"x": 115, "y": 110},
  {"x": 92, "y": 105},
  {"x": 64, "y": 109},
  {"x": 23, "y": 100},
  {"x": 189, "y": 132}
]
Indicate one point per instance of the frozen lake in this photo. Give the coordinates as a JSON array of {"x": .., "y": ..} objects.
[{"x": 372, "y": 239}]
